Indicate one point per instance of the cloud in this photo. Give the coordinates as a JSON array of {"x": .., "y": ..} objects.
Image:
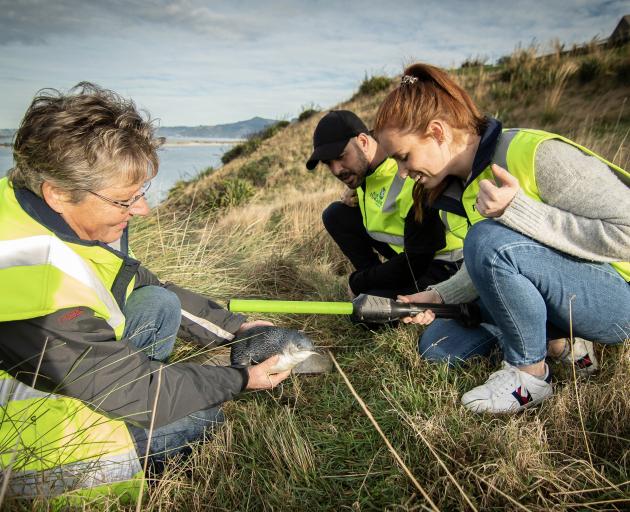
[
  {"x": 35, "y": 21},
  {"x": 194, "y": 61}
]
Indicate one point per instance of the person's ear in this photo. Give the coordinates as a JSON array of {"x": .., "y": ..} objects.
[
  {"x": 363, "y": 140},
  {"x": 55, "y": 198},
  {"x": 439, "y": 130}
]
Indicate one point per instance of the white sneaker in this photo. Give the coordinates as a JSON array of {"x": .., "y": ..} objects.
[
  {"x": 508, "y": 390},
  {"x": 583, "y": 356}
]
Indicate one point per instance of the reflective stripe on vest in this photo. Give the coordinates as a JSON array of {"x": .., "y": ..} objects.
[
  {"x": 516, "y": 152},
  {"x": 49, "y": 250},
  {"x": 385, "y": 203},
  {"x": 54, "y": 444}
]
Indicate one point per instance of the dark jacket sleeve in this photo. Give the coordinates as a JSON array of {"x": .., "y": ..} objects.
[
  {"x": 203, "y": 321},
  {"x": 81, "y": 360},
  {"x": 422, "y": 241}
]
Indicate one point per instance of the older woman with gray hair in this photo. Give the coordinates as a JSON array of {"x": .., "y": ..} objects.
[{"x": 87, "y": 329}]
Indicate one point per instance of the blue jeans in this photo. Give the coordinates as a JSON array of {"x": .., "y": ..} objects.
[
  {"x": 525, "y": 289},
  {"x": 152, "y": 318},
  {"x": 447, "y": 340}
]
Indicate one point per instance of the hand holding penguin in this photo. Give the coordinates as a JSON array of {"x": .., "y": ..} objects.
[{"x": 495, "y": 196}]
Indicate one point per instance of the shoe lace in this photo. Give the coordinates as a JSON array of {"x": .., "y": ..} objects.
[{"x": 508, "y": 378}]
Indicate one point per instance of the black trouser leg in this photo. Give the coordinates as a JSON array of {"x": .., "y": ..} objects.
[
  {"x": 345, "y": 225},
  {"x": 437, "y": 272}
]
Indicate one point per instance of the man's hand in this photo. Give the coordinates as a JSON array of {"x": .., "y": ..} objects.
[
  {"x": 350, "y": 197},
  {"x": 249, "y": 325},
  {"x": 260, "y": 378},
  {"x": 492, "y": 200},
  {"x": 426, "y": 317}
]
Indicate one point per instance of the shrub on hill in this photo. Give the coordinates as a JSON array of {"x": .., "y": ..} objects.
[
  {"x": 373, "y": 84},
  {"x": 256, "y": 172},
  {"x": 253, "y": 143},
  {"x": 589, "y": 70},
  {"x": 225, "y": 193},
  {"x": 474, "y": 62},
  {"x": 307, "y": 114}
]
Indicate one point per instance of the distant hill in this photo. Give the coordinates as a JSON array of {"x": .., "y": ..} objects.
[
  {"x": 6, "y": 135},
  {"x": 238, "y": 130}
]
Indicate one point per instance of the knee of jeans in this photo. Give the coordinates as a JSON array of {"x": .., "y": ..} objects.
[
  {"x": 209, "y": 416},
  {"x": 206, "y": 422},
  {"x": 482, "y": 243},
  {"x": 478, "y": 240},
  {"x": 166, "y": 303},
  {"x": 166, "y": 307}
]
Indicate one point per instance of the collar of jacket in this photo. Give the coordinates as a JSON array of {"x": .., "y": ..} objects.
[
  {"x": 372, "y": 171},
  {"x": 39, "y": 210},
  {"x": 485, "y": 151},
  {"x": 450, "y": 199}
]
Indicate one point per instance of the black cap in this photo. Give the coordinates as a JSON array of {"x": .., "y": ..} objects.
[{"x": 332, "y": 134}]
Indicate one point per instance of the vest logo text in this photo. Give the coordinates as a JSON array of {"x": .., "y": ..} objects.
[{"x": 378, "y": 197}]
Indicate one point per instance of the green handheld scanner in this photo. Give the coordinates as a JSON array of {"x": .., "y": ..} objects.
[{"x": 365, "y": 308}]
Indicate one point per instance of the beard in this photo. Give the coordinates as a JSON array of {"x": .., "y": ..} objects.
[{"x": 353, "y": 178}]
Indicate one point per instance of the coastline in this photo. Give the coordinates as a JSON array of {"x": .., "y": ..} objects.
[
  {"x": 201, "y": 142},
  {"x": 175, "y": 142}
]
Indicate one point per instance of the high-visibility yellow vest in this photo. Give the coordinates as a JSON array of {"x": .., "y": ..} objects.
[
  {"x": 455, "y": 229},
  {"x": 385, "y": 204},
  {"x": 516, "y": 152},
  {"x": 53, "y": 445}
]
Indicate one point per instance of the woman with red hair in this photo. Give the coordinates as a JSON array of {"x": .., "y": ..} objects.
[{"x": 549, "y": 241}]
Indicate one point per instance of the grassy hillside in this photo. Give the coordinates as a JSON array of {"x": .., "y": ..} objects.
[
  {"x": 583, "y": 96},
  {"x": 307, "y": 445}
]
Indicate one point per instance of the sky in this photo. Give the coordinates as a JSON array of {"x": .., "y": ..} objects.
[{"x": 192, "y": 62}]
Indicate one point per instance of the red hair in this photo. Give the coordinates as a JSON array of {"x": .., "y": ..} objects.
[{"x": 433, "y": 95}]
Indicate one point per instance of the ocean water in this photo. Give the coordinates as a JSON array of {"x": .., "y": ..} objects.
[
  {"x": 177, "y": 162},
  {"x": 6, "y": 160}
]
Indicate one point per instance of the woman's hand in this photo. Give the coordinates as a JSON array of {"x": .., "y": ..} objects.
[
  {"x": 426, "y": 317},
  {"x": 260, "y": 378},
  {"x": 253, "y": 323},
  {"x": 492, "y": 200}
]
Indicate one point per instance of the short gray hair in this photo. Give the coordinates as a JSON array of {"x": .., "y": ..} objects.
[{"x": 88, "y": 139}]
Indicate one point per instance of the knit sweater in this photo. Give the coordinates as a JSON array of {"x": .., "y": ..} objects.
[{"x": 585, "y": 212}]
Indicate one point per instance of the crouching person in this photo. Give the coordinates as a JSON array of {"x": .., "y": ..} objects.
[
  {"x": 376, "y": 218},
  {"x": 86, "y": 329},
  {"x": 549, "y": 242}
]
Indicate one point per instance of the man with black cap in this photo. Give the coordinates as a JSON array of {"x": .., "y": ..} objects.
[{"x": 417, "y": 254}]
